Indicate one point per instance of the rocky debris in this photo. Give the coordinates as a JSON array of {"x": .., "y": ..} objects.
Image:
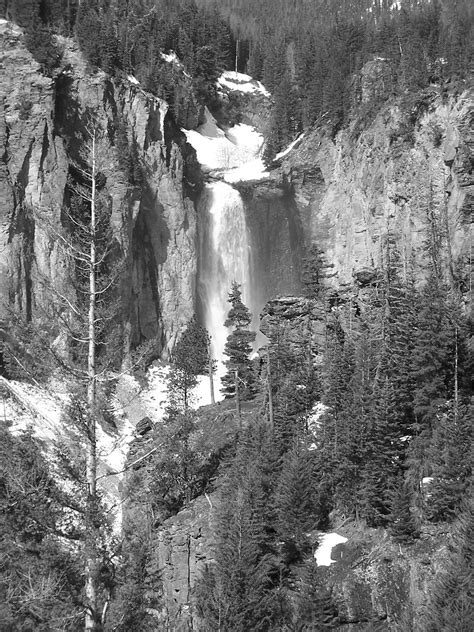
[
  {"x": 376, "y": 79},
  {"x": 366, "y": 276},
  {"x": 376, "y": 579},
  {"x": 144, "y": 426}
]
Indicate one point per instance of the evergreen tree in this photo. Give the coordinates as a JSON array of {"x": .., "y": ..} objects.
[
  {"x": 451, "y": 602},
  {"x": 314, "y": 607},
  {"x": 298, "y": 506},
  {"x": 190, "y": 358},
  {"x": 238, "y": 348},
  {"x": 239, "y": 590},
  {"x": 40, "y": 570},
  {"x": 403, "y": 525}
]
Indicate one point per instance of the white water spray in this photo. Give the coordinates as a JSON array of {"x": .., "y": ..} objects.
[
  {"x": 224, "y": 257},
  {"x": 232, "y": 155}
]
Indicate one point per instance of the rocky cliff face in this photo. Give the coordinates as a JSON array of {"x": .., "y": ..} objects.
[
  {"x": 154, "y": 224},
  {"x": 408, "y": 174}
]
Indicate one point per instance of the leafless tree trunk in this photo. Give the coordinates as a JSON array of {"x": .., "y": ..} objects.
[{"x": 91, "y": 445}]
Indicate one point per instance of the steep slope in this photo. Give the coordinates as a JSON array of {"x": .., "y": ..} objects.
[
  {"x": 41, "y": 124},
  {"x": 407, "y": 174}
]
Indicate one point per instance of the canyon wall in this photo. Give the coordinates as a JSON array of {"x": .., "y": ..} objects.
[
  {"x": 404, "y": 174},
  {"x": 42, "y": 125}
]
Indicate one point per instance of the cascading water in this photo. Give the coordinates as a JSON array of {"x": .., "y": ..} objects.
[
  {"x": 224, "y": 256},
  {"x": 232, "y": 155}
]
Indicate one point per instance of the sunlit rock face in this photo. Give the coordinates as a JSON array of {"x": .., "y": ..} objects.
[
  {"x": 154, "y": 221},
  {"x": 412, "y": 181}
]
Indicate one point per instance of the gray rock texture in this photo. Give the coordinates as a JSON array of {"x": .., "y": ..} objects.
[
  {"x": 412, "y": 180},
  {"x": 154, "y": 224}
]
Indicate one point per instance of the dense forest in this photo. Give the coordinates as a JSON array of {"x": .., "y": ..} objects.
[
  {"x": 306, "y": 53},
  {"x": 389, "y": 450},
  {"x": 391, "y": 444}
]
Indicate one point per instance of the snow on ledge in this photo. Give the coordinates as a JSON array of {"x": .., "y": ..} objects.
[
  {"x": 327, "y": 542},
  {"x": 286, "y": 151},
  {"x": 133, "y": 80},
  {"x": 242, "y": 83}
]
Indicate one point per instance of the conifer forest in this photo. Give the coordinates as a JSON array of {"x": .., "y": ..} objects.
[{"x": 236, "y": 346}]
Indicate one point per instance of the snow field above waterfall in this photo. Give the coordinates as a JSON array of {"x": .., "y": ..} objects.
[{"x": 236, "y": 153}]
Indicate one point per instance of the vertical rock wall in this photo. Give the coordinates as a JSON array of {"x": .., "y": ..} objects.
[
  {"x": 407, "y": 175},
  {"x": 154, "y": 224}
]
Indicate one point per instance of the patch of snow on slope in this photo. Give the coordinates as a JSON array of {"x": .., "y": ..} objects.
[
  {"x": 171, "y": 58},
  {"x": 37, "y": 403},
  {"x": 326, "y": 544},
  {"x": 314, "y": 421},
  {"x": 133, "y": 80},
  {"x": 155, "y": 396},
  {"x": 286, "y": 151},
  {"x": 13, "y": 28},
  {"x": 43, "y": 413},
  {"x": 242, "y": 83},
  {"x": 235, "y": 152}
]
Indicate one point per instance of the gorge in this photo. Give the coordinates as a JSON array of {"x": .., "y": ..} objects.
[{"x": 336, "y": 241}]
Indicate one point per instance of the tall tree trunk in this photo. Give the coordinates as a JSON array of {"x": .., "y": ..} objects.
[
  {"x": 91, "y": 456},
  {"x": 211, "y": 379},
  {"x": 237, "y": 396}
]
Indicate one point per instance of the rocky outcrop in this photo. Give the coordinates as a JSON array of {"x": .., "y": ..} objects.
[
  {"x": 296, "y": 320},
  {"x": 182, "y": 548},
  {"x": 407, "y": 174},
  {"x": 377, "y": 581},
  {"x": 276, "y": 238},
  {"x": 41, "y": 121}
]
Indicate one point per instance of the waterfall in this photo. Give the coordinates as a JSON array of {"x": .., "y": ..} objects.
[{"x": 224, "y": 257}]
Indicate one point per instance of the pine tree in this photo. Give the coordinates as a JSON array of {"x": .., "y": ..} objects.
[
  {"x": 239, "y": 592},
  {"x": 190, "y": 358},
  {"x": 238, "y": 348},
  {"x": 314, "y": 607},
  {"x": 297, "y": 503},
  {"x": 403, "y": 525},
  {"x": 40, "y": 572},
  {"x": 451, "y": 600}
]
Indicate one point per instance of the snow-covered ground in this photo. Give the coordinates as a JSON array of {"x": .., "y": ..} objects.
[
  {"x": 242, "y": 83},
  {"x": 236, "y": 152},
  {"x": 173, "y": 59},
  {"x": 291, "y": 146},
  {"x": 327, "y": 542},
  {"x": 42, "y": 410}
]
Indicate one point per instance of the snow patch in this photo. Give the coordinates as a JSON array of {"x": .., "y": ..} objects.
[
  {"x": 171, "y": 58},
  {"x": 235, "y": 152},
  {"x": 42, "y": 411},
  {"x": 155, "y": 397},
  {"x": 133, "y": 80},
  {"x": 286, "y": 151},
  {"x": 327, "y": 542},
  {"x": 14, "y": 28},
  {"x": 242, "y": 83}
]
